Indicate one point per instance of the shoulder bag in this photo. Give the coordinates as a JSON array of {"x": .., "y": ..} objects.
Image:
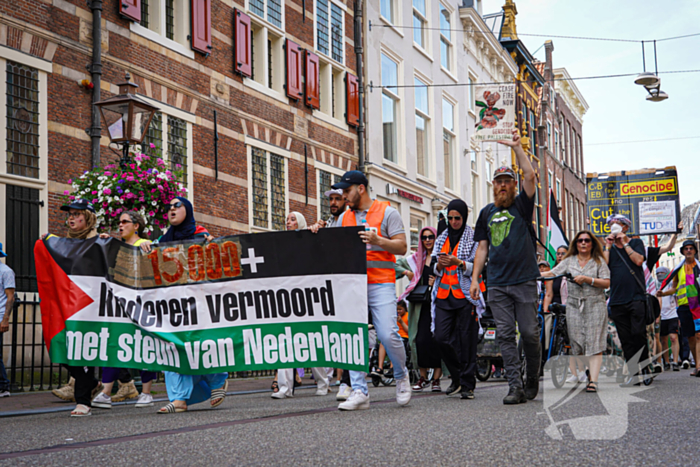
[
  {"x": 421, "y": 293},
  {"x": 652, "y": 309}
]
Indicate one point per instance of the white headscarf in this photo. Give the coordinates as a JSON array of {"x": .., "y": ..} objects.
[{"x": 301, "y": 220}]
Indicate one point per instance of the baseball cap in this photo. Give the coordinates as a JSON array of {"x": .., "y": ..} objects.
[
  {"x": 507, "y": 171},
  {"x": 336, "y": 191},
  {"x": 78, "y": 204},
  {"x": 543, "y": 263},
  {"x": 353, "y": 177}
]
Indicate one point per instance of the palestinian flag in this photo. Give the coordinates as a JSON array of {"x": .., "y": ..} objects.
[{"x": 555, "y": 233}]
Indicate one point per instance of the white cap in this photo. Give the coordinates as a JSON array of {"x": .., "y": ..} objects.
[{"x": 336, "y": 191}]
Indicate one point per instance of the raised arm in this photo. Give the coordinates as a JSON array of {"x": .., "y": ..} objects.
[{"x": 529, "y": 177}]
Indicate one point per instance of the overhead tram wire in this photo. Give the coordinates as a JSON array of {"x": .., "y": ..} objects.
[
  {"x": 642, "y": 141},
  {"x": 490, "y": 33},
  {"x": 581, "y": 78}
]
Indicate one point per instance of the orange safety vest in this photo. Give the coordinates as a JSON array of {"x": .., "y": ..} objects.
[
  {"x": 450, "y": 280},
  {"x": 380, "y": 263}
]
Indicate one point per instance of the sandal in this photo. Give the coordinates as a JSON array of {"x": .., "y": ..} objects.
[
  {"x": 171, "y": 408},
  {"x": 592, "y": 386},
  {"x": 218, "y": 395},
  {"x": 275, "y": 387},
  {"x": 81, "y": 410}
]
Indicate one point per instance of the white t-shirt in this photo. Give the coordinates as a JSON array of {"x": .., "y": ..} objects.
[{"x": 668, "y": 304}]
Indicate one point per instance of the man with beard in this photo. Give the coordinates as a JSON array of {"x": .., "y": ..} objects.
[
  {"x": 504, "y": 233},
  {"x": 385, "y": 237},
  {"x": 337, "y": 206}
]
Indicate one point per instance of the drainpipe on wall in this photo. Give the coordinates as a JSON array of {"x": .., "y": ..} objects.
[
  {"x": 359, "y": 53},
  {"x": 95, "y": 68}
]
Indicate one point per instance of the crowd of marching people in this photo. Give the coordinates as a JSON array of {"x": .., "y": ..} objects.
[{"x": 456, "y": 273}]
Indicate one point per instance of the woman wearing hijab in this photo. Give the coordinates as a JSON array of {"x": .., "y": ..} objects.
[
  {"x": 424, "y": 350},
  {"x": 83, "y": 385},
  {"x": 185, "y": 390},
  {"x": 454, "y": 323},
  {"x": 283, "y": 387}
]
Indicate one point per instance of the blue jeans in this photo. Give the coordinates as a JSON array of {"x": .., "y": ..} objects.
[
  {"x": 381, "y": 299},
  {"x": 192, "y": 389},
  {"x": 4, "y": 382}
]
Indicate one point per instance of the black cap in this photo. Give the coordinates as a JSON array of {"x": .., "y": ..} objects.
[
  {"x": 353, "y": 177},
  {"x": 78, "y": 204},
  {"x": 689, "y": 242}
]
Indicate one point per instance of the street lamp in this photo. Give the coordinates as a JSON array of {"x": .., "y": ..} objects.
[{"x": 126, "y": 117}]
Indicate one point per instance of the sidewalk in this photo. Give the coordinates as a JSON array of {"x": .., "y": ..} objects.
[{"x": 27, "y": 403}]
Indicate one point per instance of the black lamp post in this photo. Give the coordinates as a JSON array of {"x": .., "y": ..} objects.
[{"x": 126, "y": 117}]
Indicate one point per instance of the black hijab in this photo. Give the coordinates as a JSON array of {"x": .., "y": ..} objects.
[
  {"x": 461, "y": 207},
  {"x": 442, "y": 224},
  {"x": 184, "y": 231}
]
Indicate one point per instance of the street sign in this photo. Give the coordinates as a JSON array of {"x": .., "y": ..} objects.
[{"x": 648, "y": 197}]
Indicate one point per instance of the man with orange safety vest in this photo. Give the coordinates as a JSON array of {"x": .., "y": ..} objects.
[
  {"x": 454, "y": 325},
  {"x": 385, "y": 237}
]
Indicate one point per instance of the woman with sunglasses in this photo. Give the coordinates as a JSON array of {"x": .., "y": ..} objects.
[
  {"x": 185, "y": 390},
  {"x": 131, "y": 225},
  {"x": 586, "y": 309},
  {"x": 424, "y": 350},
  {"x": 82, "y": 386}
]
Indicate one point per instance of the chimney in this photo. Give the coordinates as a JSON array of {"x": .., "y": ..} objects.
[{"x": 548, "y": 69}]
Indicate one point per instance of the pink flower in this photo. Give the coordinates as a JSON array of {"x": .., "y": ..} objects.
[
  {"x": 160, "y": 162},
  {"x": 66, "y": 192},
  {"x": 130, "y": 178},
  {"x": 72, "y": 198},
  {"x": 133, "y": 166},
  {"x": 153, "y": 146},
  {"x": 94, "y": 201},
  {"x": 107, "y": 191},
  {"x": 154, "y": 190},
  {"x": 151, "y": 213},
  {"x": 108, "y": 173},
  {"x": 70, "y": 180}
]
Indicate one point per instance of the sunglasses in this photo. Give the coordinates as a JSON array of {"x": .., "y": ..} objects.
[
  {"x": 428, "y": 237},
  {"x": 125, "y": 222},
  {"x": 688, "y": 248},
  {"x": 583, "y": 240},
  {"x": 176, "y": 205},
  {"x": 456, "y": 218}
]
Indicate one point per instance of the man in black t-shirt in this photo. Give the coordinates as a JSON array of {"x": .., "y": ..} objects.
[
  {"x": 505, "y": 237},
  {"x": 625, "y": 257}
]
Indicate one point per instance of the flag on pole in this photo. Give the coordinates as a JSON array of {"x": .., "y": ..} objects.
[{"x": 555, "y": 233}]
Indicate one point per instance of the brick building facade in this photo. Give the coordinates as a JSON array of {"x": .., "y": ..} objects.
[{"x": 242, "y": 59}]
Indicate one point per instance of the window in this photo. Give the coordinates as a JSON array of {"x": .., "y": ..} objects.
[
  {"x": 420, "y": 22},
  {"x": 269, "y": 181},
  {"x": 533, "y": 128},
  {"x": 330, "y": 22},
  {"x": 166, "y": 22},
  {"x": 445, "y": 38},
  {"x": 579, "y": 154},
  {"x": 270, "y": 10},
  {"x": 332, "y": 86},
  {"x": 550, "y": 181},
  {"x": 448, "y": 137},
  {"x": 325, "y": 181},
  {"x": 549, "y": 135},
  {"x": 556, "y": 144},
  {"x": 390, "y": 113},
  {"x": 170, "y": 136},
  {"x": 475, "y": 180},
  {"x": 422, "y": 129},
  {"x": 267, "y": 56},
  {"x": 559, "y": 200},
  {"x": 472, "y": 92},
  {"x": 416, "y": 227},
  {"x": 387, "y": 10},
  {"x": 473, "y": 160},
  {"x": 22, "y": 125}
]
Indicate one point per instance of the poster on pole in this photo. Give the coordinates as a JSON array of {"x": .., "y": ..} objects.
[
  {"x": 496, "y": 118},
  {"x": 648, "y": 197},
  {"x": 239, "y": 303}
]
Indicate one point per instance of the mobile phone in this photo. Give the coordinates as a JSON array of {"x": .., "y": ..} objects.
[{"x": 441, "y": 254}]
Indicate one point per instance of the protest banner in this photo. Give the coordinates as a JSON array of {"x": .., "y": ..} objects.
[
  {"x": 496, "y": 119},
  {"x": 648, "y": 197},
  {"x": 247, "y": 302}
]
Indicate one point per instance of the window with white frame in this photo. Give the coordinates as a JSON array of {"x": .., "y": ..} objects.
[
  {"x": 472, "y": 93},
  {"x": 448, "y": 141},
  {"x": 422, "y": 128},
  {"x": 171, "y": 140},
  {"x": 445, "y": 38},
  {"x": 390, "y": 108},
  {"x": 549, "y": 135},
  {"x": 387, "y": 10},
  {"x": 489, "y": 182},
  {"x": 416, "y": 227},
  {"x": 330, "y": 21},
  {"x": 267, "y": 55},
  {"x": 325, "y": 181},
  {"x": 556, "y": 144},
  {"x": 269, "y": 10},
  {"x": 475, "y": 180},
  {"x": 559, "y": 200},
  {"x": 420, "y": 24},
  {"x": 332, "y": 89},
  {"x": 269, "y": 183},
  {"x": 550, "y": 181},
  {"x": 167, "y": 20}
]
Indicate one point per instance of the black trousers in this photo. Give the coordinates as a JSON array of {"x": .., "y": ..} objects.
[
  {"x": 85, "y": 382},
  {"x": 456, "y": 333},
  {"x": 630, "y": 323}
]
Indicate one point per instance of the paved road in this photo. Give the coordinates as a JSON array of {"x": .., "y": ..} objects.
[{"x": 659, "y": 425}]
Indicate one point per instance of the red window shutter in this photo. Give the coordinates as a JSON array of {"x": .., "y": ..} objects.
[
  {"x": 201, "y": 25},
  {"x": 294, "y": 88},
  {"x": 352, "y": 99},
  {"x": 130, "y": 9},
  {"x": 243, "y": 57},
  {"x": 312, "y": 80}
]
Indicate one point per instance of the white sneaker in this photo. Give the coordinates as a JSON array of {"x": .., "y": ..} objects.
[
  {"x": 278, "y": 395},
  {"x": 343, "y": 393},
  {"x": 572, "y": 379},
  {"x": 582, "y": 378},
  {"x": 145, "y": 400},
  {"x": 358, "y": 400},
  {"x": 5, "y": 394},
  {"x": 322, "y": 392},
  {"x": 403, "y": 391},
  {"x": 102, "y": 401}
]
